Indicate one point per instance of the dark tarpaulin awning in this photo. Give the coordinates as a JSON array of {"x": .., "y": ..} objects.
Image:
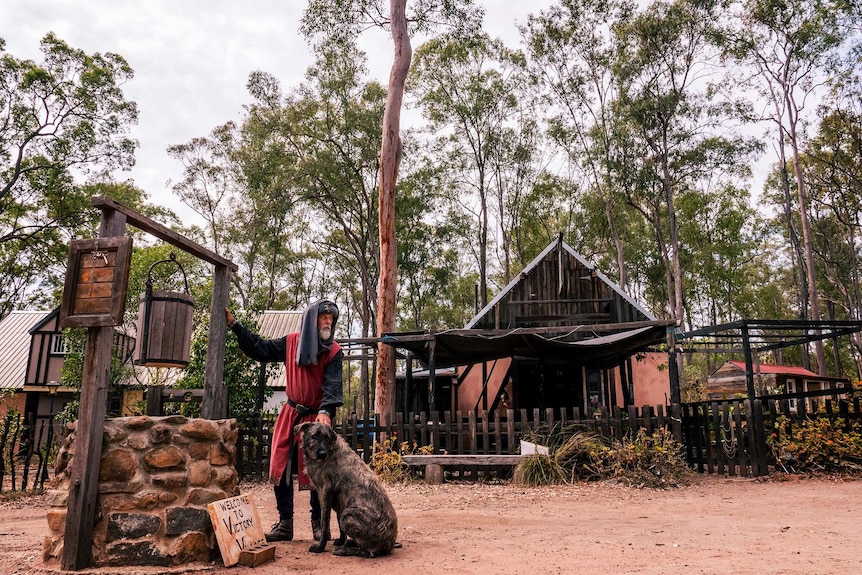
[{"x": 465, "y": 346}]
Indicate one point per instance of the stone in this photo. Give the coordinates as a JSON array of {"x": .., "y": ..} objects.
[
  {"x": 198, "y": 450},
  {"x": 200, "y": 473},
  {"x": 61, "y": 462},
  {"x": 161, "y": 433},
  {"x": 190, "y": 547},
  {"x": 137, "y": 553},
  {"x": 120, "y": 486},
  {"x": 57, "y": 521},
  {"x": 137, "y": 442},
  {"x": 165, "y": 457},
  {"x": 220, "y": 454},
  {"x": 174, "y": 419},
  {"x": 114, "y": 433},
  {"x": 118, "y": 465},
  {"x": 49, "y": 548},
  {"x": 167, "y": 498},
  {"x": 139, "y": 422},
  {"x": 201, "y": 496},
  {"x": 170, "y": 480},
  {"x": 226, "y": 477},
  {"x": 56, "y": 497},
  {"x": 144, "y": 501},
  {"x": 131, "y": 526},
  {"x": 182, "y": 519},
  {"x": 200, "y": 429}
]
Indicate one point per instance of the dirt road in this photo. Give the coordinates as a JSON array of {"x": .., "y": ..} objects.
[{"x": 714, "y": 526}]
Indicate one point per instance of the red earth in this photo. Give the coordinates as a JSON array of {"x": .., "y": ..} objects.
[{"x": 787, "y": 525}]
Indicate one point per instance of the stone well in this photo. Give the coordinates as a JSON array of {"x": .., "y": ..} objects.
[{"x": 156, "y": 476}]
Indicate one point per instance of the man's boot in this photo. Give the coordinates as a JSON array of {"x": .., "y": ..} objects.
[{"x": 281, "y": 531}]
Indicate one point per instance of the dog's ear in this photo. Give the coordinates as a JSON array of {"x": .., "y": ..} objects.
[
  {"x": 300, "y": 429},
  {"x": 331, "y": 436}
]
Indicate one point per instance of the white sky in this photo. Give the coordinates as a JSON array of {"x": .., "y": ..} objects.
[{"x": 192, "y": 58}]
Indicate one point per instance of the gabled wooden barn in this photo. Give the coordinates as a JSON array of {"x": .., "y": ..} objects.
[{"x": 561, "y": 334}]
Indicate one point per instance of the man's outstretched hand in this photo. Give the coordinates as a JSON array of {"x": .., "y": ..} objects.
[{"x": 228, "y": 316}]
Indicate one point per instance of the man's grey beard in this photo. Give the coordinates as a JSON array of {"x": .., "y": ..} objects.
[{"x": 325, "y": 333}]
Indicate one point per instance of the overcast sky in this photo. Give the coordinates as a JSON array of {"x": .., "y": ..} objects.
[{"x": 192, "y": 58}]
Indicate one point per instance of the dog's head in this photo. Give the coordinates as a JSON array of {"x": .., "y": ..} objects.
[{"x": 317, "y": 439}]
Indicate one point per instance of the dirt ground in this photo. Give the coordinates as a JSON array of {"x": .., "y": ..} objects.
[{"x": 716, "y": 525}]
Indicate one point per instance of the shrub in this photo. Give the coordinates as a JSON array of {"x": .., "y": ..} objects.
[
  {"x": 648, "y": 460},
  {"x": 386, "y": 458},
  {"x": 816, "y": 445},
  {"x": 539, "y": 469},
  {"x": 641, "y": 460}
]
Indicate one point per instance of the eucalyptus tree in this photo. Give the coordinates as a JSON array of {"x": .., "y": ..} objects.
[
  {"x": 663, "y": 68},
  {"x": 468, "y": 89},
  {"x": 833, "y": 169},
  {"x": 793, "y": 49},
  {"x": 436, "y": 288},
  {"x": 333, "y": 123},
  {"x": 344, "y": 20},
  {"x": 210, "y": 177},
  {"x": 571, "y": 52},
  {"x": 235, "y": 179},
  {"x": 62, "y": 121},
  {"x": 680, "y": 135}
]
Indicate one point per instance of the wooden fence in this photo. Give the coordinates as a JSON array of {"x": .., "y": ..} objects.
[
  {"x": 459, "y": 433},
  {"x": 731, "y": 436},
  {"x": 726, "y": 437},
  {"x": 26, "y": 452}
]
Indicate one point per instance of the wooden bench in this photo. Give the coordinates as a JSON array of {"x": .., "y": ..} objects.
[{"x": 434, "y": 464}]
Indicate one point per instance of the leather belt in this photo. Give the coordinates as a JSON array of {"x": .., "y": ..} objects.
[{"x": 303, "y": 410}]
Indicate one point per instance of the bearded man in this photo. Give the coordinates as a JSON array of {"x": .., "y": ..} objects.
[{"x": 312, "y": 364}]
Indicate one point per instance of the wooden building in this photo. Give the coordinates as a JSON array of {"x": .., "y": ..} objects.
[
  {"x": 30, "y": 367},
  {"x": 561, "y": 334},
  {"x": 730, "y": 380}
]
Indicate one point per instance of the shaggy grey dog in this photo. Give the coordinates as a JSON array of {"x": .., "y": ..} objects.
[{"x": 367, "y": 523}]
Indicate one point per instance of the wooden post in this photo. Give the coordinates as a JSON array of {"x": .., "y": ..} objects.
[
  {"x": 749, "y": 365},
  {"x": 432, "y": 376},
  {"x": 83, "y": 492},
  {"x": 215, "y": 391}
]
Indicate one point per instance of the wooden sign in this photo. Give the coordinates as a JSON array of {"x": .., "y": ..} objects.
[
  {"x": 238, "y": 531},
  {"x": 97, "y": 276}
]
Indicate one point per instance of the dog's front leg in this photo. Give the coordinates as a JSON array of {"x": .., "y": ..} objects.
[
  {"x": 342, "y": 535},
  {"x": 325, "y": 512}
]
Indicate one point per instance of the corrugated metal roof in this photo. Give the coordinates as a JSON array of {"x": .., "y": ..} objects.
[
  {"x": 15, "y": 346},
  {"x": 278, "y": 323},
  {"x": 780, "y": 369},
  {"x": 274, "y": 324}
]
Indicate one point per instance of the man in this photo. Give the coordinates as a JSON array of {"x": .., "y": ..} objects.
[{"x": 312, "y": 364}]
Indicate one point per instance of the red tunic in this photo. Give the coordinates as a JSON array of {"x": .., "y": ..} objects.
[{"x": 304, "y": 385}]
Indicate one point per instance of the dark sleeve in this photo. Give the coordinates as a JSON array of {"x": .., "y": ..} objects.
[
  {"x": 257, "y": 348},
  {"x": 332, "y": 388}
]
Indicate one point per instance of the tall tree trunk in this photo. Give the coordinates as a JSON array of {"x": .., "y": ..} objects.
[
  {"x": 390, "y": 156},
  {"x": 813, "y": 297}
]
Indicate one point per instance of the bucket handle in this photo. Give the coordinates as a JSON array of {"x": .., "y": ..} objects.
[{"x": 171, "y": 258}]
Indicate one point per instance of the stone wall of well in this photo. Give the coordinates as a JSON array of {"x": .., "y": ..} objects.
[{"x": 156, "y": 476}]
